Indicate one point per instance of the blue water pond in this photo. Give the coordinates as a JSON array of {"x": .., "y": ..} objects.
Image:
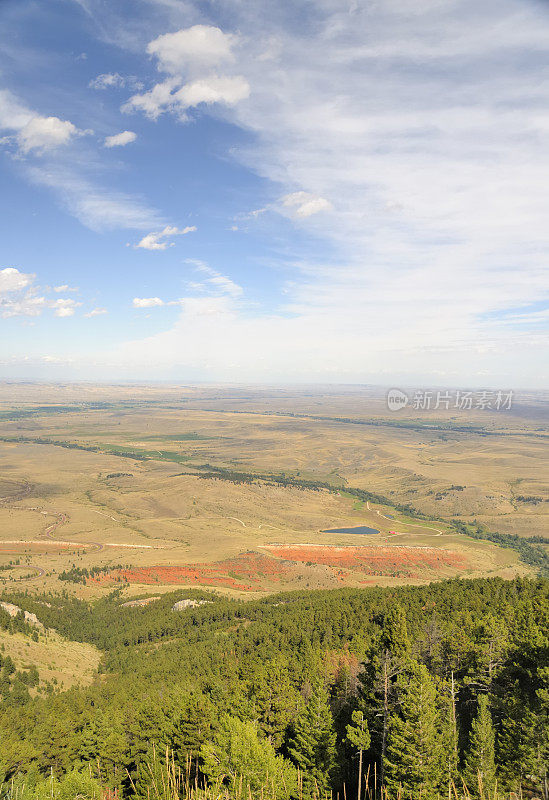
[{"x": 360, "y": 529}]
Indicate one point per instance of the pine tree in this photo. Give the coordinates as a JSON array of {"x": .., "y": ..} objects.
[
  {"x": 449, "y": 735},
  {"x": 517, "y": 750},
  {"x": 274, "y": 698},
  {"x": 394, "y": 636},
  {"x": 359, "y": 736},
  {"x": 387, "y": 658},
  {"x": 312, "y": 745},
  {"x": 239, "y": 755},
  {"x": 480, "y": 769},
  {"x": 413, "y": 757}
]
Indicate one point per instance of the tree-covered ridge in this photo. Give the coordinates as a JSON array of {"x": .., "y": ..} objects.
[{"x": 422, "y": 686}]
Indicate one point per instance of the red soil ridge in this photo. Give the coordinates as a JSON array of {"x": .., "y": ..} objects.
[
  {"x": 250, "y": 571},
  {"x": 229, "y": 572},
  {"x": 374, "y": 560}
]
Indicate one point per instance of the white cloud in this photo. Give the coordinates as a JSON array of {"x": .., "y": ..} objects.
[
  {"x": 428, "y": 135},
  {"x": 305, "y": 204},
  {"x": 64, "y": 307},
  {"x": 96, "y": 312},
  {"x": 113, "y": 80},
  {"x": 154, "y": 102},
  {"x": 147, "y": 302},
  {"x": 13, "y": 115},
  {"x": 200, "y": 47},
  {"x": 44, "y": 133},
  {"x": 65, "y": 288},
  {"x": 193, "y": 53},
  {"x": 157, "y": 240},
  {"x": 33, "y": 132},
  {"x": 228, "y": 91},
  {"x": 11, "y": 280},
  {"x": 107, "y": 80},
  {"x": 219, "y": 293},
  {"x": 97, "y": 208},
  {"x": 216, "y": 281},
  {"x": 120, "y": 139},
  {"x": 19, "y": 296},
  {"x": 166, "y": 96},
  {"x": 28, "y": 305}
]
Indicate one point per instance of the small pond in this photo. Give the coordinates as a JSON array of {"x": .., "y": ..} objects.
[{"x": 361, "y": 529}]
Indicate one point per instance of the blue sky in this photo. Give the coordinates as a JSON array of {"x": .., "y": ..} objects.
[{"x": 325, "y": 191}]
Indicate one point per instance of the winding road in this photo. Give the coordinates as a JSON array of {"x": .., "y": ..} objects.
[
  {"x": 411, "y": 524},
  {"x": 61, "y": 519}
]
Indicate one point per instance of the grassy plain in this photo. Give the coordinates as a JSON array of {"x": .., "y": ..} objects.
[
  {"x": 59, "y": 662},
  {"x": 92, "y": 476}
]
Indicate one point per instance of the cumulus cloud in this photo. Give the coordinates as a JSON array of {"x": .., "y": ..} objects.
[
  {"x": 155, "y": 101},
  {"x": 304, "y": 204},
  {"x": 166, "y": 96},
  {"x": 29, "y": 305},
  {"x": 44, "y": 133},
  {"x": 64, "y": 307},
  {"x": 228, "y": 91},
  {"x": 19, "y": 296},
  {"x": 120, "y": 139},
  {"x": 193, "y": 53},
  {"x": 11, "y": 280},
  {"x": 199, "y": 47},
  {"x": 32, "y": 131},
  {"x": 158, "y": 240},
  {"x": 147, "y": 302}
]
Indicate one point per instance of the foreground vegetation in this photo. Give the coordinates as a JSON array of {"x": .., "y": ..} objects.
[{"x": 413, "y": 690}]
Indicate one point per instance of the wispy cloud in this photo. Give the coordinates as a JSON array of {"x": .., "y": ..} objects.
[
  {"x": 113, "y": 80},
  {"x": 215, "y": 294},
  {"x": 96, "y": 312},
  {"x": 41, "y": 138},
  {"x": 415, "y": 163},
  {"x": 215, "y": 281},
  {"x": 304, "y": 204},
  {"x": 159, "y": 240},
  {"x": 98, "y": 208},
  {"x": 424, "y": 145}
]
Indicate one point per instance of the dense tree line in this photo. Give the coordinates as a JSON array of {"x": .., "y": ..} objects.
[
  {"x": 410, "y": 688},
  {"x": 81, "y": 574},
  {"x": 531, "y": 549},
  {"x": 16, "y": 623}
]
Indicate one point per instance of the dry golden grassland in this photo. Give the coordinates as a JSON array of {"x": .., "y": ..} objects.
[
  {"x": 60, "y": 507},
  {"x": 59, "y": 661}
]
